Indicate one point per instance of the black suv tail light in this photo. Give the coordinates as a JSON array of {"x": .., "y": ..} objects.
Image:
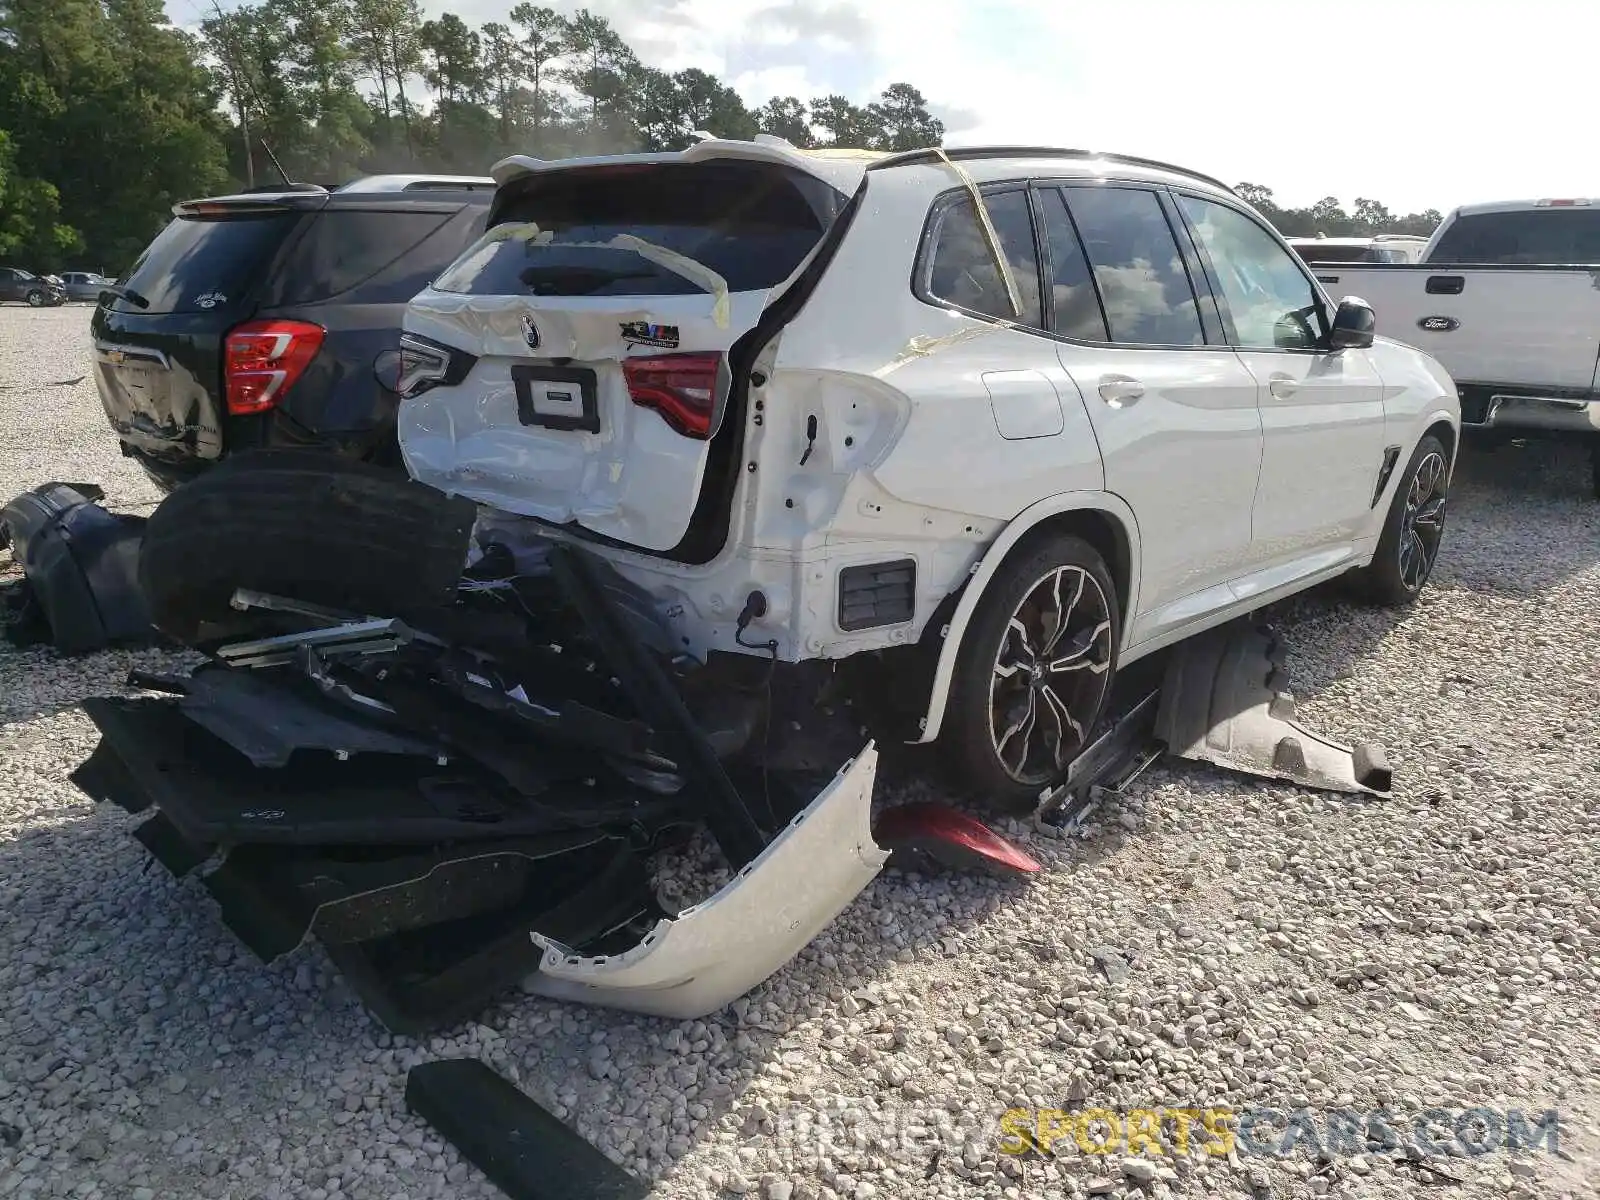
[{"x": 262, "y": 359}]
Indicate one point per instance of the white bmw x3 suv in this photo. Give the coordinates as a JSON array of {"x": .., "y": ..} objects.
[{"x": 999, "y": 420}]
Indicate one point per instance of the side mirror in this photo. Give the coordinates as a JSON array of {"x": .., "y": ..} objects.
[{"x": 1354, "y": 325}]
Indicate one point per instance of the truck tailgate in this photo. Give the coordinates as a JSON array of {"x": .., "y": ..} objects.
[{"x": 1534, "y": 327}]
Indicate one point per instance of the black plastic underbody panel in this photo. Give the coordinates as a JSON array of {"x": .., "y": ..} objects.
[
  {"x": 151, "y": 754},
  {"x": 523, "y": 1148}
]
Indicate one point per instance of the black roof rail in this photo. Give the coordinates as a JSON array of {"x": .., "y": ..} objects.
[{"x": 931, "y": 155}]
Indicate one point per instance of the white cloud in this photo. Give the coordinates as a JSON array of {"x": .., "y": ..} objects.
[{"x": 1415, "y": 104}]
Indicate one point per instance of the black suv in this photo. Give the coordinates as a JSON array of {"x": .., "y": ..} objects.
[{"x": 272, "y": 319}]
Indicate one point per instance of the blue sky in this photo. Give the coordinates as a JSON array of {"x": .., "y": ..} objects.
[{"x": 1415, "y": 103}]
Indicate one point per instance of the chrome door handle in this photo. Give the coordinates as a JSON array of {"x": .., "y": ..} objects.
[
  {"x": 1119, "y": 391},
  {"x": 1282, "y": 386}
]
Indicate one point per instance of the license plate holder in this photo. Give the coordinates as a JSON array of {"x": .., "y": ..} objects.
[{"x": 562, "y": 398}]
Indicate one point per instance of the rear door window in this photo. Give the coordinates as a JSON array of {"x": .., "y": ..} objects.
[
  {"x": 647, "y": 230},
  {"x": 198, "y": 264},
  {"x": 1540, "y": 236},
  {"x": 961, "y": 266},
  {"x": 1144, "y": 285}
]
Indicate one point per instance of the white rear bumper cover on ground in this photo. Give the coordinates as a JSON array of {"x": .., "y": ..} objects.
[{"x": 712, "y": 953}]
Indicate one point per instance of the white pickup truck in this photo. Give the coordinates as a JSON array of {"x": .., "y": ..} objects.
[{"x": 1507, "y": 298}]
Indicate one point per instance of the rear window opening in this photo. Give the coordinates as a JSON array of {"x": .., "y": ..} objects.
[
  {"x": 202, "y": 264},
  {"x": 1543, "y": 237},
  {"x": 751, "y": 223}
]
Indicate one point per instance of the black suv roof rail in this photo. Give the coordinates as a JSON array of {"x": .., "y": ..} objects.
[{"x": 931, "y": 154}]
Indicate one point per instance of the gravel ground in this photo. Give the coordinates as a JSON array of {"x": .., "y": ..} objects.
[{"x": 1254, "y": 945}]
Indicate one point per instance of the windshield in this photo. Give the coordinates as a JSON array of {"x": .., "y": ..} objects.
[
  {"x": 197, "y": 264},
  {"x": 1542, "y": 236},
  {"x": 647, "y": 230}
]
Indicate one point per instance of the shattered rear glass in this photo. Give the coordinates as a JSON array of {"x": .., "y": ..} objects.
[{"x": 647, "y": 230}]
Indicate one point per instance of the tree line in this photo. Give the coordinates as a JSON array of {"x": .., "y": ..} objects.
[
  {"x": 109, "y": 115},
  {"x": 1329, "y": 217}
]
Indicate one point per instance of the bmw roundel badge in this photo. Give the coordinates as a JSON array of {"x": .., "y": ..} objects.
[{"x": 530, "y": 331}]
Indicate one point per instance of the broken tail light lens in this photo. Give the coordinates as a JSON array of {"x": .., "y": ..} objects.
[
  {"x": 262, "y": 360},
  {"x": 681, "y": 387},
  {"x": 423, "y": 364}
]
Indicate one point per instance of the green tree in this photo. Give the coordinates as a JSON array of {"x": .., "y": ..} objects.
[
  {"x": 902, "y": 116},
  {"x": 504, "y": 62},
  {"x": 88, "y": 84},
  {"x": 544, "y": 41},
  {"x": 30, "y": 229},
  {"x": 707, "y": 104},
  {"x": 785, "y": 117},
  {"x": 600, "y": 68},
  {"x": 847, "y": 125}
]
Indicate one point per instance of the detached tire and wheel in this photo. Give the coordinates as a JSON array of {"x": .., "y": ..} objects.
[
  {"x": 311, "y": 526},
  {"x": 1034, "y": 671},
  {"x": 1408, "y": 548}
]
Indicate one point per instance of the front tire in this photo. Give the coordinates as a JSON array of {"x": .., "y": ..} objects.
[
  {"x": 1408, "y": 548},
  {"x": 36, "y": 299},
  {"x": 1034, "y": 672}
]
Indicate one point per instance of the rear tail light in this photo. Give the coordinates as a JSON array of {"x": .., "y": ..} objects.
[
  {"x": 262, "y": 359},
  {"x": 681, "y": 387}
]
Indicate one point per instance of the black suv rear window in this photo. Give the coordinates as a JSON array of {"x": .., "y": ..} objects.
[
  {"x": 345, "y": 249},
  {"x": 554, "y": 235},
  {"x": 203, "y": 263},
  {"x": 1543, "y": 236}
]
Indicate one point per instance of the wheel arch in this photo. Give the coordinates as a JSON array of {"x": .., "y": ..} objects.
[
  {"x": 1099, "y": 518},
  {"x": 1446, "y": 429}
]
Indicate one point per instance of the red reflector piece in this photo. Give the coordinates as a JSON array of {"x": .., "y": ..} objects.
[
  {"x": 921, "y": 833},
  {"x": 262, "y": 359},
  {"x": 681, "y": 387}
]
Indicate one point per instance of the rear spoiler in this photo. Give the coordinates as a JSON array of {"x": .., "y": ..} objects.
[{"x": 250, "y": 205}]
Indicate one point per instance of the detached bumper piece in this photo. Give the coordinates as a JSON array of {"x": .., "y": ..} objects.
[
  {"x": 522, "y": 1147},
  {"x": 80, "y": 589},
  {"x": 1223, "y": 702},
  {"x": 454, "y": 813}
]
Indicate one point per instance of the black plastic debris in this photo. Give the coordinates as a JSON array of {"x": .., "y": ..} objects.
[
  {"x": 523, "y": 1148},
  {"x": 79, "y": 590}
]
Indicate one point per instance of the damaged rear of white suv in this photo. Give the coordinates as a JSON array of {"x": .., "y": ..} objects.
[
  {"x": 744, "y": 448},
  {"x": 994, "y": 419}
]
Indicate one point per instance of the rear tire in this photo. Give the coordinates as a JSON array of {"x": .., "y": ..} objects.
[
  {"x": 311, "y": 526},
  {"x": 1028, "y": 691},
  {"x": 1408, "y": 548}
]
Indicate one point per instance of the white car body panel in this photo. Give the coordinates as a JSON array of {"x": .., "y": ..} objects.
[
  {"x": 1323, "y": 418},
  {"x": 708, "y": 955},
  {"x": 635, "y": 480},
  {"x": 1184, "y": 455}
]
